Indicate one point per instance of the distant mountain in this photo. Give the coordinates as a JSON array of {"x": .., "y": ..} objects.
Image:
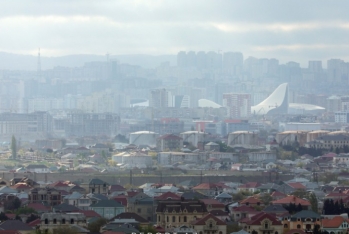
[{"x": 29, "y": 62}]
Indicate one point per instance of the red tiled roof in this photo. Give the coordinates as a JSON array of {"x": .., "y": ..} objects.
[
  {"x": 278, "y": 194},
  {"x": 203, "y": 220},
  {"x": 116, "y": 187},
  {"x": 296, "y": 185},
  {"x": 292, "y": 199},
  {"x": 168, "y": 195},
  {"x": 258, "y": 218},
  {"x": 334, "y": 222},
  {"x": 38, "y": 207},
  {"x": 35, "y": 223},
  {"x": 208, "y": 186},
  {"x": 214, "y": 203},
  {"x": 251, "y": 200},
  {"x": 132, "y": 193},
  {"x": 122, "y": 199},
  {"x": 20, "y": 186}
]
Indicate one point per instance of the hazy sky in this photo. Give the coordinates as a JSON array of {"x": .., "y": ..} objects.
[{"x": 286, "y": 29}]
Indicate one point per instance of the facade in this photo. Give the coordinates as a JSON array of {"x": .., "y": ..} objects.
[
  {"x": 51, "y": 221},
  {"x": 303, "y": 220},
  {"x": 173, "y": 214},
  {"x": 238, "y": 104},
  {"x": 37, "y": 168},
  {"x": 341, "y": 117},
  {"x": 169, "y": 142},
  {"x": 142, "y": 205},
  {"x": 210, "y": 224},
  {"x": 263, "y": 223},
  {"x": 169, "y": 158},
  {"x": 107, "y": 208},
  {"x": 48, "y": 196},
  {"x": 261, "y": 156}
]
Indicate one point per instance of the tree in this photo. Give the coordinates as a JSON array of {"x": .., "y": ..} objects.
[
  {"x": 313, "y": 202},
  {"x": 148, "y": 229},
  {"x": 14, "y": 147},
  {"x": 64, "y": 230},
  {"x": 13, "y": 204},
  {"x": 3, "y": 217},
  {"x": 96, "y": 225},
  {"x": 266, "y": 198}
]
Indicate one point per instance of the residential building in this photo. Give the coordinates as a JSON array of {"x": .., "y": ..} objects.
[
  {"x": 263, "y": 223},
  {"x": 143, "y": 205},
  {"x": 337, "y": 224},
  {"x": 169, "y": 142},
  {"x": 210, "y": 224},
  {"x": 48, "y": 196},
  {"x": 107, "y": 208},
  {"x": 51, "y": 221},
  {"x": 303, "y": 220},
  {"x": 238, "y": 104},
  {"x": 37, "y": 168}
]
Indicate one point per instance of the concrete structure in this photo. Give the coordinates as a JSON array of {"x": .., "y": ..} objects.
[
  {"x": 341, "y": 117},
  {"x": 169, "y": 142},
  {"x": 261, "y": 156},
  {"x": 302, "y": 127},
  {"x": 311, "y": 136},
  {"x": 169, "y": 158},
  {"x": 290, "y": 137},
  {"x": 242, "y": 138},
  {"x": 134, "y": 159},
  {"x": 52, "y": 221},
  {"x": 143, "y": 138},
  {"x": 193, "y": 137}
]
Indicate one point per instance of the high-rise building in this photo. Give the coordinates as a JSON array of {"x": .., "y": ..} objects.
[
  {"x": 233, "y": 62},
  {"x": 238, "y": 104},
  {"x": 315, "y": 66},
  {"x": 182, "y": 59},
  {"x": 160, "y": 98}
]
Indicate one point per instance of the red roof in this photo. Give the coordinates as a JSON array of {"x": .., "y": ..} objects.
[
  {"x": 291, "y": 199},
  {"x": 251, "y": 200},
  {"x": 278, "y": 194},
  {"x": 116, "y": 188},
  {"x": 296, "y": 185},
  {"x": 22, "y": 186},
  {"x": 35, "y": 223},
  {"x": 334, "y": 222},
  {"x": 258, "y": 218},
  {"x": 203, "y": 220},
  {"x": 58, "y": 184},
  {"x": 132, "y": 193},
  {"x": 167, "y": 196},
  {"x": 214, "y": 203},
  {"x": 250, "y": 185},
  {"x": 208, "y": 186},
  {"x": 122, "y": 199},
  {"x": 38, "y": 207}
]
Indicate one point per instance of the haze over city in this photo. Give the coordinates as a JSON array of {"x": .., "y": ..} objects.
[{"x": 173, "y": 116}]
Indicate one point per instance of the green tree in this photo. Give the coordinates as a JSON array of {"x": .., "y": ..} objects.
[
  {"x": 32, "y": 217},
  {"x": 148, "y": 229},
  {"x": 25, "y": 210},
  {"x": 266, "y": 198},
  {"x": 96, "y": 225},
  {"x": 13, "y": 204},
  {"x": 14, "y": 147},
  {"x": 313, "y": 202},
  {"x": 64, "y": 230}
]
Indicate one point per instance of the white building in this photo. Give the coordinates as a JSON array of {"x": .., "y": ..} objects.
[
  {"x": 341, "y": 117},
  {"x": 169, "y": 158},
  {"x": 261, "y": 156},
  {"x": 135, "y": 159}
]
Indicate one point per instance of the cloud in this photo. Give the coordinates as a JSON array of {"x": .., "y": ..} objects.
[{"x": 269, "y": 28}]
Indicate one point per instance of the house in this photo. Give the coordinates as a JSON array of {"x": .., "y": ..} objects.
[
  {"x": 38, "y": 207},
  {"x": 222, "y": 215},
  {"x": 116, "y": 189},
  {"x": 60, "y": 185},
  {"x": 51, "y": 221},
  {"x": 65, "y": 208},
  {"x": 241, "y": 212},
  {"x": 276, "y": 195},
  {"x": 21, "y": 187},
  {"x": 39, "y": 168},
  {"x": 7, "y": 190},
  {"x": 294, "y": 200},
  {"x": 169, "y": 142},
  {"x": 172, "y": 214},
  {"x": 236, "y": 167},
  {"x": 210, "y": 224},
  {"x": 263, "y": 223},
  {"x": 98, "y": 186},
  {"x": 337, "y": 224},
  {"x": 129, "y": 215},
  {"x": 142, "y": 205},
  {"x": 269, "y": 187},
  {"x": 303, "y": 220},
  {"x": 209, "y": 189},
  {"x": 212, "y": 204},
  {"x": 107, "y": 208},
  {"x": 168, "y": 196},
  {"x": 251, "y": 201},
  {"x": 249, "y": 187},
  {"x": 47, "y": 196},
  {"x": 277, "y": 210},
  {"x": 224, "y": 198}
]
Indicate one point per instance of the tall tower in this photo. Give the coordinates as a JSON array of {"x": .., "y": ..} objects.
[{"x": 39, "y": 66}]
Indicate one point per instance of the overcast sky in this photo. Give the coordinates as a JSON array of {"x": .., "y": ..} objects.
[{"x": 295, "y": 30}]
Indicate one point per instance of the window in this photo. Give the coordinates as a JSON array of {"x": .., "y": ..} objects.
[
  {"x": 54, "y": 221},
  {"x": 298, "y": 226},
  {"x": 210, "y": 225},
  {"x": 173, "y": 219},
  {"x": 185, "y": 219},
  {"x": 139, "y": 210},
  {"x": 159, "y": 218},
  {"x": 285, "y": 225},
  {"x": 46, "y": 221},
  {"x": 63, "y": 221},
  {"x": 266, "y": 225},
  {"x": 72, "y": 221},
  {"x": 167, "y": 219}
]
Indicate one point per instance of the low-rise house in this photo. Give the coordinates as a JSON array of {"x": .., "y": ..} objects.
[
  {"x": 65, "y": 208},
  {"x": 212, "y": 204},
  {"x": 39, "y": 168},
  {"x": 277, "y": 210},
  {"x": 293, "y": 200},
  {"x": 116, "y": 189},
  {"x": 269, "y": 187},
  {"x": 210, "y": 224},
  {"x": 262, "y": 223},
  {"x": 107, "y": 208},
  {"x": 241, "y": 212},
  {"x": 10, "y": 225},
  {"x": 276, "y": 195},
  {"x": 98, "y": 186},
  {"x": 337, "y": 224},
  {"x": 251, "y": 201},
  {"x": 47, "y": 196},
  {"x": 224, "y": 198},
  {"x": 209, "y": 189},
  {"x": 142, "y": 205},
  {"x": 51, "y": 221},
  {"x": 303, "y": 220},
  {"x": 222, "y": 215},
  {"x": 129, "y": 215},
  {"x": 291, "y": 187},
  {"x": 249, "y": 187},
  {"x": 79, "y": 200}
]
